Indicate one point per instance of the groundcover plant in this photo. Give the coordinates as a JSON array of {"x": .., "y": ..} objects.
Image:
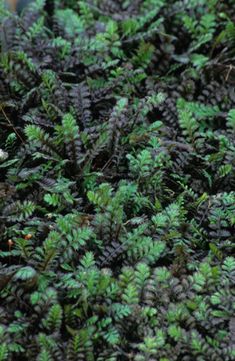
[{"x": 117, "y": 159}]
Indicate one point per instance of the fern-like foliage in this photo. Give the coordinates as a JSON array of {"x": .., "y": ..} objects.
[{"x": 117, "y": 175}]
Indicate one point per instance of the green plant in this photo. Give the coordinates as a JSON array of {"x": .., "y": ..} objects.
[{"x": 117, "y": 181}]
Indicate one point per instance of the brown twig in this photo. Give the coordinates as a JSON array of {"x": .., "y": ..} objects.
[
  {"x": 8, "y": 120},
  {"x": 229, "y": 71}
]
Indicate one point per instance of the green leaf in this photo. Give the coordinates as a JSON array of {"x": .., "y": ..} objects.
[
  {"x": 25, "y": 273},
  {"x": 3, "y": 352},
  {"x": 8, "y": 163},
  {"x": 52, "y": 199},
  {"x": 199, "y": 60},
  {"x": 231, "y": 119}
]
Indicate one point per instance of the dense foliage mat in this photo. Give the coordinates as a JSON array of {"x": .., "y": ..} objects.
[{"x": 117, "y": 159}]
